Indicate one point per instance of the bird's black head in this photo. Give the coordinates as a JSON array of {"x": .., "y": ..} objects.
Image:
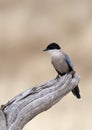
[{"x": 52, "y": 46}]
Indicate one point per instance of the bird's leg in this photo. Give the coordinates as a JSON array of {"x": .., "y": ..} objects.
[
  {"x": 71, "y": 72},
  {"x": 57, "y": 77}
]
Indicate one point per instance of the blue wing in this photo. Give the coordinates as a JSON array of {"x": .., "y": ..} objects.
[{"x": 68, "y": 61}]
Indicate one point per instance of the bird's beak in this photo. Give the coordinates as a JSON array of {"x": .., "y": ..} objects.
[{"x": 45, "y": 50}]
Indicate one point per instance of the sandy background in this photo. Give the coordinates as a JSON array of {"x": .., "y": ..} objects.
[{"x": 26, "y": 28}]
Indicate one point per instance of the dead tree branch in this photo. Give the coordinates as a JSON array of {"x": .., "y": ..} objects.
[{"x": 24, "y": 107}]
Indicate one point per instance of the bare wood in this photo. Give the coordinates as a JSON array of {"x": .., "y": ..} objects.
[
  {"x": 24, "y": 107},
  {"x": 2, "y": 121}
]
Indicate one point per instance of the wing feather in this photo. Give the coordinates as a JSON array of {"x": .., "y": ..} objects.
[{"x": 68, "y": 61}]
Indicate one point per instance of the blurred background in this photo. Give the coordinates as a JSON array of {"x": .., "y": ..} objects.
[{"x": 26, "y": 28}]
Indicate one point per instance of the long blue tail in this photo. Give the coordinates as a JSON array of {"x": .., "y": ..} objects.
[{"x": 76, "y": 92}]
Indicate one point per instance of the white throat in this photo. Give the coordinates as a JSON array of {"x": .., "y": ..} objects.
[{"x": 55, "y": 52}]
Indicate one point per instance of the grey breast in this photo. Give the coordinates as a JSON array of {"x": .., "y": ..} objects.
[{"x": 60, "y": 64}]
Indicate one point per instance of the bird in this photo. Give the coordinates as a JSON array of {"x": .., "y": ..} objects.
[{"x": 62, "y": 63}]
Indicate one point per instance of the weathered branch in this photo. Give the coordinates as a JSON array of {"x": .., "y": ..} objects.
[{"x": 24, "y": 107}]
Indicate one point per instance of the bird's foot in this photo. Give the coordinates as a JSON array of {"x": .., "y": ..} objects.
[{"x": 72, "y": 73}]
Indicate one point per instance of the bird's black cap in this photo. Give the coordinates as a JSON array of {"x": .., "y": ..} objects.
[{"x": 52, "y": 46}]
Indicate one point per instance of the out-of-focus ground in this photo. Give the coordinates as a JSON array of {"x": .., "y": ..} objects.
[{"x": 26, "y": 28}]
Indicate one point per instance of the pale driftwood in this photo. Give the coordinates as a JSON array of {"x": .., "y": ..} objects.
[{"x": 24, "y": 107}]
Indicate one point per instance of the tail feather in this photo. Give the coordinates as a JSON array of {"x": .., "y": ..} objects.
[{"x": 76, "y": 92}]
